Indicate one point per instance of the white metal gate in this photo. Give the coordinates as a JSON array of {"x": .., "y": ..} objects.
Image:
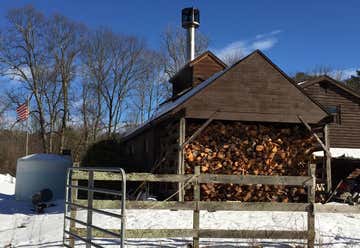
[{"x": 69, "y": 237}]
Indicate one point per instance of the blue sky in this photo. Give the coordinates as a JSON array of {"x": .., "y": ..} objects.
[{"x": 296, "y": 35}]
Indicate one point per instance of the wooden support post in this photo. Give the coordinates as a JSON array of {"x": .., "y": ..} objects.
[
  {"x": 311, "y": 200},
  {"x": 73, "y": 209},
  {"x": 192, "y": 137},
  {"x": 315, "y": 135},
  {"x": 196, "y": 214},
  {"x": 181, "y": 166},
  {"x": 323, "y": 168},
  {"x": 90, "y": 206},
  {"x": 328, "y": 159}
]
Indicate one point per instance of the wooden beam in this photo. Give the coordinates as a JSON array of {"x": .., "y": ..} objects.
[
  {"x": 181, "y": 166},
  {"x": 139, "y": 233},
  {"x": 311, "y": 201},
  {"x": 253, "y": 206},
  {"x": 202, "y": 205},
  {"x": 252, "y": 234},
  {"x": 73, "y": 210},
  {"x": 223, "y": 206},
  {"x": 204, "y": 233},
  {"x": 149, "y": 177},
  {"x": 205, "y": 178},
  {"x": 328, "y": 159},
  {"x": 325, "y": 208},
  {"x": 252, "y": 179},
  {"x": 315, "y": 135},
  {"x": 158, "y": 233},
  {"x": 196, "y": 214},
  {"x": 197, "y": 132}
]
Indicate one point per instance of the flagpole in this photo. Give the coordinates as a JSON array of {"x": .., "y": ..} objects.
[{"x": 27, "y": 129}]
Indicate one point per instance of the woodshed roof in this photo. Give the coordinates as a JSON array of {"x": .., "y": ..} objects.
[
  {"x": 253, "y": 89},
  {"x": 332, "y": 81}
]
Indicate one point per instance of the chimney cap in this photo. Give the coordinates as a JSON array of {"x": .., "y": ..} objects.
[{"x": 190, "y": 17}]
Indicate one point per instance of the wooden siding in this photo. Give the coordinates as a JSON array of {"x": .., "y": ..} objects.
[
  {"x": 150, "y": 147},
  {"x": 346, "y": 134},
  {"x": 196, "y": 71},
  {"x": 254, "y": 90},
  {"x": 139, "y": 151},
  {"x": 204, "y": 69}
]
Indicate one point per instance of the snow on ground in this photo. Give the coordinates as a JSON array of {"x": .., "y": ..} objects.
[
  {"x": 341, "y": 152},
  {"x": 20, "y": 227},
  {"x": 7, "y": 184}
]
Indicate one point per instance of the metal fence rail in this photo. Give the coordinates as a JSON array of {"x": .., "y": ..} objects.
[{"x": 71, "y": 188}]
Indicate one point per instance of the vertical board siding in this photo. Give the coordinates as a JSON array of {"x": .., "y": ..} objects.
[
  {"x": 346, "y": 134},
  {"x": 204, "y": 69},
  {"x": 195, "y": 72},
  {"x": 255, "y": 90}
]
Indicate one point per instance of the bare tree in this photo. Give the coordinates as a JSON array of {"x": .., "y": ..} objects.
[
  {"x": 90, "y": 110},
  {"x": 52, "y": 100},
  {"x": 4, "y": 105},
  {"x": 148, "y": 91},
  {"x": 86, "y": 111},
  {"x": 23, "y": 56},
  {"x": 127, "y": 68},
  {"x": 97, "y": 61},
  {"x": 174, "y": 46},
  {"x": 318, "y": 71},
  {"x": 111, "y": 63},
  {"x": 64, "y": 44},
  {"x": 232, "y": 58}
]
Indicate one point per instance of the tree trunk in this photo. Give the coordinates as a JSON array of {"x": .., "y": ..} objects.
[
  {"x": 65, "y": 114},
  {"x": 42, "y": 124}
]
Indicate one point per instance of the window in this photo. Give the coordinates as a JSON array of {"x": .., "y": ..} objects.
[{"x": 335, "y": 111}]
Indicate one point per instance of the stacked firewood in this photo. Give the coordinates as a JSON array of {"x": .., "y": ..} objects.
[{"x": 249, "y": 149}]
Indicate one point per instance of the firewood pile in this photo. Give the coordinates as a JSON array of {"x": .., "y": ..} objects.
[{"x": 249, "y": 149}]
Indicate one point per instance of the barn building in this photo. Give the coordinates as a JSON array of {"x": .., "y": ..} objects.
[
  {"x": 253, "y": 92},
  {"x": 344, "y": 133}
]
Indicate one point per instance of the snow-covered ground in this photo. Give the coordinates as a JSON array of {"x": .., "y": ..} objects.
[{"x": 20, "y": 227}]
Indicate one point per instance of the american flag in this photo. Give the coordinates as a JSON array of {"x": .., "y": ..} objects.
[{"x": 22, "y": 112}]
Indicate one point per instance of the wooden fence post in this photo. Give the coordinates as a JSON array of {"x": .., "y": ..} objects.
[
  {"x": 328, "y": 159},
  {"x": 311, "y": 200},
  {"x": 73, "y": 210},
  {"x": 196, "y": 214},
  {"x": 181, "y": 167},
  {"x": 90, "y": 196}
]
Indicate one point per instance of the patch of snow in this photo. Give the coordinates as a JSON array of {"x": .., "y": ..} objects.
[
  {"x": 7, "y": 184},
  {"x": 300, "y": 83},
  {"x": 341, "y": 152},
  {"x": 20, "y": 227},
  {"x": 45, "y": 156}
]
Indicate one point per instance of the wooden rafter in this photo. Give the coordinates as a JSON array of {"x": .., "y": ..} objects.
[
  {"x": 315, "y": 135},
  {"x": 197, "y": 132}
]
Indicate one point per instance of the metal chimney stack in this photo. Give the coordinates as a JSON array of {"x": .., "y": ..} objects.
[{"x": 190, "y": 18}]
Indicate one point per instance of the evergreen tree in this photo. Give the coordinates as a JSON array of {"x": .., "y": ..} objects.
[
  {"x": 302, "y": 76},
  {"x": 354, "y": 82}
]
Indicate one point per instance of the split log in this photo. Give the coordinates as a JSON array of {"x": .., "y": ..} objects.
[{"x": 250, "y": 149}]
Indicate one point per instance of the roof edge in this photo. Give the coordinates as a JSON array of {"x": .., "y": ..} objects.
[
  {"x": 184, "y": 98},
  {"x": 292, "y": 81},
  {"x": 196, "y": 60},
  {"x": 333, "y": 82}
]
